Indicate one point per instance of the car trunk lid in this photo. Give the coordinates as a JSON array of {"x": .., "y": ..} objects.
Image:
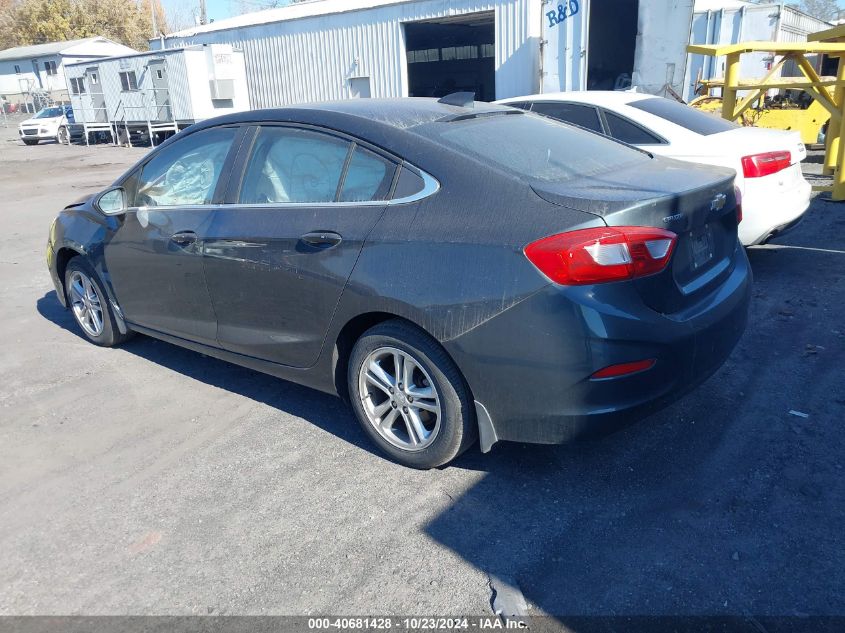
[{"x": 697, "y": 203}]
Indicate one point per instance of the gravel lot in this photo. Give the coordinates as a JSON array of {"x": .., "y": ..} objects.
[{"x": 153, "y": 480}]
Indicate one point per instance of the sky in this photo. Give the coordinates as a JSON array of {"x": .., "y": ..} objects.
[{"x": 183, "y": 11}]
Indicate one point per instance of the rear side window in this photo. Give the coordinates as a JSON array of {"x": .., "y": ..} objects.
[
  {"x": 537, "y": 148},
  {"x": 294, "y": 165},
  {"x": 585, "y": 116},
  {"x": 409, "y": 184},
  {"x": 368, "y": 177},
  {"x": 683, "y": 115},
  {"x": 628, "y": 132}
]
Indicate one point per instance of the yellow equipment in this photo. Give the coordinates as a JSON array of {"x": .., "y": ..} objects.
[
  {"x": 809, "y": 121},
  {"x": 828, "y": 92}
]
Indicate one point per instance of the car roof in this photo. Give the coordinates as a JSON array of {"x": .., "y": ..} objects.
[
  {"x": 398, "y": 113},
  {"x": 595, "y": 97}
]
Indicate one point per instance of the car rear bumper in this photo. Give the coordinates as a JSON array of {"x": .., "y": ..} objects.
[
  {"x": 530, "y": 366},
  {"x": 768, "y": 211}
]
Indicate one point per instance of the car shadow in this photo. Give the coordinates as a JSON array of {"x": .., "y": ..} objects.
[
  {"x": 727, "y": 503},
  {"x": 323, "y": 410}
]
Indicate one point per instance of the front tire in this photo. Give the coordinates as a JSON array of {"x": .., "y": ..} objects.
[
  {"x": 88, "y": 301},
  {"x": 409, "y": 396},
  {"x": 63, "y": 136}
]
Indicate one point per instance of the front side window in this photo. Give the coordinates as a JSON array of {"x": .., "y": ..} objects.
[
  {"x": 128, "y": 81},
  {"x": 583, "y": 115},
  {"x": 294, "y": 165},
  {"x": 628, "y": 132},
  {"x": 185, "y": 173}
]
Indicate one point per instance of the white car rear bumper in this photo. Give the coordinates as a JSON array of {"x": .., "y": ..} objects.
[{"x": 772, "y": 203}]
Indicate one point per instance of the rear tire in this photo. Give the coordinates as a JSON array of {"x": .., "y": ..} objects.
[
  {"x": 30, "y": 141},
  {"x": 88, "y": 301},
  {"x": 409, "y": 396}
]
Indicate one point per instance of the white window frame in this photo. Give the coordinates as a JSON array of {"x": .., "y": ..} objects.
[
  {"x": 128, "y": 81},
  {"x": 77, "y": 85}
]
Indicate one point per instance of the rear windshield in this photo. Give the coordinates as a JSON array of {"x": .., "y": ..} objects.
[
  {"x": 695, "y": 120},
  {"x": 535, "y": 147}
]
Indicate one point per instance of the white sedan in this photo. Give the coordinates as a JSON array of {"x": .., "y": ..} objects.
[
  {"x": 767, "y": 162},
  {"x": 44, "y": 125}
]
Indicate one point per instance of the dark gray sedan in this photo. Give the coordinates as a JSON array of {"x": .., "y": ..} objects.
[{"x": 454, "y": 271}]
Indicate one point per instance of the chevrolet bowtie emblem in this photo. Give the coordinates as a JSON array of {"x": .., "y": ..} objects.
[{"x": 718, "y": 203}]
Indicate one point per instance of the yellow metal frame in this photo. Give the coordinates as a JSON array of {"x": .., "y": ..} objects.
[
  {"x": 808, "y": 122},
  {"x": 819, "y": 88}
]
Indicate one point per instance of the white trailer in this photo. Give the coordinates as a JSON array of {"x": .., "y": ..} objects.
[
  {"x": 339, "y": 49},
  {"x": 158, "y": 92},
  {"x": 733, "y": 21}
]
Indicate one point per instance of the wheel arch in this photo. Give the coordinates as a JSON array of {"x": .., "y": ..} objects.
[
  {"x": 63, "y": 257},
  {"x": 353, "y": 329}
]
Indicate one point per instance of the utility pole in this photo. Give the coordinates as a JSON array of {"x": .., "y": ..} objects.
[
  {"x": 203, "y": 13},
  {"x": 154, "y": 21}
]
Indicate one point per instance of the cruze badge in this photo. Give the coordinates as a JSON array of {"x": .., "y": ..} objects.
[
  {"x": 718, "y": 203},
  {"x": 672, "y": 218}
]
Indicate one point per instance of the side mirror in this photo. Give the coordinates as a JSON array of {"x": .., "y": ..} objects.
[{"x": 112, "y": 201}]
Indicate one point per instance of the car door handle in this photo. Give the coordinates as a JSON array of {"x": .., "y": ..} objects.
[
  {"x": 184, "y": 238},
  {"x": 322, "y": 239}
]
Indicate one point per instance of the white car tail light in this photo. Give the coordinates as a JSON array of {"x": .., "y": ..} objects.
[{"x": 759, "y": 165}]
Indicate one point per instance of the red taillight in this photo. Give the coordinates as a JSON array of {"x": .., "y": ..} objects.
[
  {"x": 623, "y": 369},
  {"x": 738, "y": 205},
  {"x": 760, "y": 165},
  {"x": 592, "y": 256}
]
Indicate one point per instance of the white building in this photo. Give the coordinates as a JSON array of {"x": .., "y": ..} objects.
[
  {"x": 337, "y": 49},
  {"x": 731, "y": 21},
  {"x": 40, "y": 68},
  {"x": 163, "y": 90}
]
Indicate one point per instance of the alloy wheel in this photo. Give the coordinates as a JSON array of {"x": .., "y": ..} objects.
[
  {"x": 86, "y": 303},
  {"x": 399, "y": 398}
]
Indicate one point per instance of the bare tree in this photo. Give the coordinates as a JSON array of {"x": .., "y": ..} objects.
[
  {"x": 249, "y": 6},
  {"x": 823, "y": 9}
]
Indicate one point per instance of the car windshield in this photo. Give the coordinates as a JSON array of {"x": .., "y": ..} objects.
[
  {"x": 534, "y": 147},
  {"x": 690, "y": 118},
  {"x": 49, "y": 113}
]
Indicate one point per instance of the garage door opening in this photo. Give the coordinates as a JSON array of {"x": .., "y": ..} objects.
[
  {"x": 452, "y": 55},
  {"x": 613, "y": 39}
]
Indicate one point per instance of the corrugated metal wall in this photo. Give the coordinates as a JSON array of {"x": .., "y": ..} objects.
[
  {"x": 313, "y": 58},
  {"x": 796, "y": 26},
  {"x": 180, "y": 92},
  {"x": 79, "y": 103}
]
